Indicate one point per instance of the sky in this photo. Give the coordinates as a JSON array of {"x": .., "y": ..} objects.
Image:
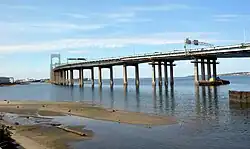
[{"x": 30, "y": 31}]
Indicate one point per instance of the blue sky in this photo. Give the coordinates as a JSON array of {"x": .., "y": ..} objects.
[{"x": 31, "y": 30}]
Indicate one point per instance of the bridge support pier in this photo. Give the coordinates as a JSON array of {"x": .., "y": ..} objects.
[
  {"x": 111, "y": 76},
  {"x": 214, "y": 69},
  {"x": 80, "y": 77},
  {"x": 137, "y": 80},
  {"x": 153, "y": 74},
  {"x": 67, "y": 77},
  {"x": 166, "y": 73},
  {"x": 203, "y": 73},
  {"x": 159, "y": 73},
  {"x": 61, "y": 77},
  {"x": 125, "y": 75},
  {"x": 71, "y": 77},
  {"x": 100, "y": 75},
  {"x": 196, "y": 72},
  {"x": 208, "y": 69},
  {"x": 92, "y": 77},
  {"x": 54, "y": 77},
  {"x": 171, "y": 73},
  {"x": 64, "y": 77},
  {"x": 57, "y": 78}
]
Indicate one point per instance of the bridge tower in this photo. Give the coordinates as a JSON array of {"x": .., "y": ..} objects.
[{"x": 52, "y": 65}]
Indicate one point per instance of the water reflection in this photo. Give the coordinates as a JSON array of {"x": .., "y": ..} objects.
[
  {"x": 137, "y": 96},
  {"x": 154, "y": 99},
  {"x": 160, "y": 99},
  {"x": 197, "y": 97},
  {"x": 93, "y": 94},
  {"x": 163, "y": 100},
  {"x": 166, "y": 99},
  {"x": 100, "y": 95},
  {"x": 125, "y": 90},
  {"x": 112, "y": 98},
  {"x": 211, "y": 97},
  {"x": 81, "y": 90}
]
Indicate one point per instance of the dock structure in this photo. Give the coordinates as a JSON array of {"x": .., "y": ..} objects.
[{"x": 63, "y": 74}]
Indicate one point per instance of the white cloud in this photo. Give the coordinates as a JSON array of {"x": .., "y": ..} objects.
[
  {"x": 67, "y": 26},
  {"x": 129, "y": 20},
  {"x": 227, "y": 17},
  {"x": 75, "y": 15},
  {"x": 164, "y": 7},
  {"x": 96, "y": 43},
  {"x": 119, "y": 15},
  {"x": 23, "y": 7},
  {"x": 185, "y": 34},
  {"x": 78, "y": 51},
  {"x": 47, "y": 27}
]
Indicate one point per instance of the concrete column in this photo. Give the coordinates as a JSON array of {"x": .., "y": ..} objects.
[
  {"x": 55, "y": 77},
  {"x": 92, "y": 76},
  {"x": 159, "y": 73},
  {"x": 111, "y": 76},
  {"x": 196, "y": 72},
  {"x": 71, "y": 77},
  {"x": 203, "y": 74},
  {"x": 153, "y": 73},
  {"x": 80, "y": 77},
  {"x": 165, "y": 73},
  {"x": 171, "y": 73},
  {"x": 125, "y": 75},
  {"x": 100, "y": 75},
  {"x": 67, "y": 77},
  {"x": 137, "y": 80},
  {"x": 63, "y": 77},
  {"x": 214, "y": 69},
  {"x": 208, "y": 69}
]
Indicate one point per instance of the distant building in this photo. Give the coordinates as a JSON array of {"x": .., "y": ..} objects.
[{"x": 6, "y": 80}]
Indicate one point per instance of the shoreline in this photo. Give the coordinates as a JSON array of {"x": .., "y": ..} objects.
[
  {"x": 51, "y": 108},
  {"x": 51, "y": 137}
]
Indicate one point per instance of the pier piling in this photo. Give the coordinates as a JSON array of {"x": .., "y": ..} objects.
[
  {"x": 159, "y": 73},
  {"x": 92, "y": 77},
  {"x": 111, "y": 76},
  {"x": 137, "y": 79},
  {"x": 125, "y": 77},
  {"x": 100, "y": 76},
  {"x": 208, "y": 69},
  {"x": 203, "y": 73},
  {"x": 153, "y": 73},
  {"x": 166, "y": 73},
  {"x": 171, "y": 73},
  {"x": 71, "y": 77}
]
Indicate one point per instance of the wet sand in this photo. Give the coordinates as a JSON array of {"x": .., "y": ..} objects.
[
  {"x": 45, "y": 136},
  {"x": 51, "y": 137},
  {"x": 83, "y": 110}
]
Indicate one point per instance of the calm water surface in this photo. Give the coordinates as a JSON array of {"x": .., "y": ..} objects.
[{"x": 206, "y": 118}]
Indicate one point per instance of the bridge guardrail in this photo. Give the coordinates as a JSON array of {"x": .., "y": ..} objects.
[{"x": 176, "y": 51}]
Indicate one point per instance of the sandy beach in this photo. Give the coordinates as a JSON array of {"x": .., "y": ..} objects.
[
  {"x": 83, "y": 110},
  {"x": 39, "y": 136}
]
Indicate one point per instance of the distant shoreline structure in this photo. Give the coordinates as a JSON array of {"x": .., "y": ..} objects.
[{"x": 231, "y": 74}]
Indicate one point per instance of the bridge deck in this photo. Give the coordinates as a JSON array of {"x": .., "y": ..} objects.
[{"x": 241, "y": 50}]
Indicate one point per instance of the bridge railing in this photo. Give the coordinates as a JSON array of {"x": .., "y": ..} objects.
[{"x": 176, "y": 51}]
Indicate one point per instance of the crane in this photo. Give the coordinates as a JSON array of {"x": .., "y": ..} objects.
[{"x": 197, "y": 42}]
